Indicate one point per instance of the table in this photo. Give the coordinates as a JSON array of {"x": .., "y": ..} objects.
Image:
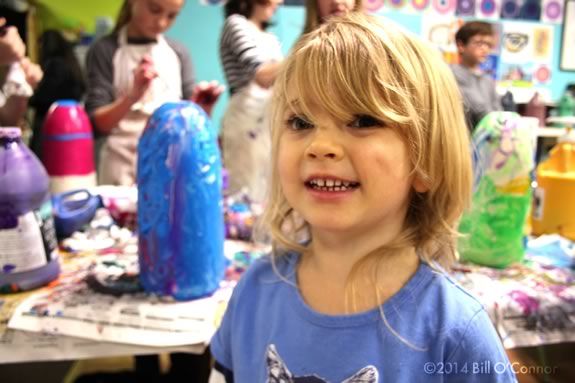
[
  {"x": 68, "y": 320},
  {"x": 562, "y": 120},
  {"x": 550, "y": 131},
  {"x": 532, "y": 303}
]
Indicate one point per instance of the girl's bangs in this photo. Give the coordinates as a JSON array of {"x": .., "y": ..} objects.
[{"x": 338, "y": 74}]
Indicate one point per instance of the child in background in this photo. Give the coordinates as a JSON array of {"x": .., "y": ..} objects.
[
  {"x": 371, "y": 164},
  {"x": 318, "y": 11},
  {"x": 18, "y": 76},
  {"x": 251, "y": 58},
  {"x": 130, "y": 73},
  {"x": 475, "y": 40},
  {"x": 63, "y": 80}
]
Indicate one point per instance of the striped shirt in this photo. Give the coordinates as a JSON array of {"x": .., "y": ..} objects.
[{"x": 243, "y": 48}]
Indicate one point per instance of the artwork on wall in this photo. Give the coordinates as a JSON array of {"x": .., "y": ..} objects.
[
  {"x": 465, "y": 8},
  {"x": 552, "y": 11},
  {"x": 531, "y": 10},
  {"x": 373, "y": 5},
  {"x": 444, "y": 7},
  {"x": 568, "y": 38},
  {"x": 526, "y": 53},
  {"x": 440, "y": 31},
  {"x": 420, "y": 5},
  {"x": 510, "y": 9},
  {"x": 488, "y": 9}
]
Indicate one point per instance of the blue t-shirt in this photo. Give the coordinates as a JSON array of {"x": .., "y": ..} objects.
[{"x": 269, "y": 334}]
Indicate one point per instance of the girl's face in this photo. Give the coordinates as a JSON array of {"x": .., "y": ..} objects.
[
  {"x": 328, "y": 8},
  {"x": 151, "y": 18},
  {"x": 344, "y": 177},
  {"x": 262, "y": 13}
]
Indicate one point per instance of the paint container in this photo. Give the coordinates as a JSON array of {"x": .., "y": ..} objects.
[
  {"x": 180, "y": 217},
  {"x": 28, "y": 247},
  {"x": 68, "y": 147},
  {"x": 553, "y": 210},
  {"x": 536, "y": 108}
]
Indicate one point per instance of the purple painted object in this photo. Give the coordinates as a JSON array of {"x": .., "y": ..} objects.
[{"x": 28, "y": 256}]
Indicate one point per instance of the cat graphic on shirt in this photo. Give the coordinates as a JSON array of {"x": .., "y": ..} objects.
[{"x": 279, "y": 373}]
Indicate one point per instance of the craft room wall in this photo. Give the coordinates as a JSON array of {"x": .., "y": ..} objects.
[
  {"x": 530, "y": 32},
  {"x": 200, "y": 22}
]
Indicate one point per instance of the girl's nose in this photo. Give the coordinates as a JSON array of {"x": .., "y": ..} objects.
[
  {"x": 163, "y": 23},
  {"x": 324, "y": 146}
]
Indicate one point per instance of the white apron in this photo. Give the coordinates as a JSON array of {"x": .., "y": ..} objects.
[
  {"x": 246, "y": 133},
  {"x": 118, "y": 156}
]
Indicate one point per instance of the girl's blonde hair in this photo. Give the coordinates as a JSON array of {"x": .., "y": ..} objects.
[
  {"x": 359, "y": 65},
  {"x": 312, "y": 18}
]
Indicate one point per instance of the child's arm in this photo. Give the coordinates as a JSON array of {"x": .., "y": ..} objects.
[
  {"x": 206, "y": 95},
  {"x": 105, "y": 118},
  {"x": 12, "y": 47},
  {"x": 267, "y": 73}
]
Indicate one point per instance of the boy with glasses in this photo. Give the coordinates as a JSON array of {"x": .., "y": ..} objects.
[{"x": 475, "y": 41}]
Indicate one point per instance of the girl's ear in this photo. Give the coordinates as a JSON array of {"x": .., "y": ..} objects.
[{"x": 419, "y": 185}]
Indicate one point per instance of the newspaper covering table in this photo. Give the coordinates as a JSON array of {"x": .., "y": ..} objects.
[
  {"x": 530, "y": 303},
  {"x": 70, "y": 320}
]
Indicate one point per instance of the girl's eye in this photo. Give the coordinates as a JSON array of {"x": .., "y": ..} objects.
[
  {"x": 154, "y": 9},
  {"x": 364, "y": 121},
  {"x": 298, "y": 123}
]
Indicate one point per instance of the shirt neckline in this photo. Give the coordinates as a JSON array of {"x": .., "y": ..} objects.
[{"x": 411, "y": 289}]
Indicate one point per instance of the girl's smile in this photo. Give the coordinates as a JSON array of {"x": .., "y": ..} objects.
[{"x": 330, "y": 188}]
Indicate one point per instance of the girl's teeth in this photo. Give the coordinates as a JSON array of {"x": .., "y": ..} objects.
[{"x": 330, "y": 185}]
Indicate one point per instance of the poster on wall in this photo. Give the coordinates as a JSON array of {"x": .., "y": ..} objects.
[
  {"x": 488, "y": 9},
  {"x": 465, "y": 8},
  {"x": 568, "y": 38},
  {"x": 510, "y": 9},
  {"x": 526, "y": 53},
  {"x": 517, "y": 42},
  {"x": 531, "y": 10},
  {"x": 373, "y": 5},
  {"x": 542, "y": 43},
  {"x": 440, "y": 31},
  {"x": 552, "y": 11},
  {"x": 444, "y": 7},
  {"x": 421, "y": 5}
]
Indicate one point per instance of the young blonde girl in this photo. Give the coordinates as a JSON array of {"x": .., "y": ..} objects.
[{"x": 371, "y": 171}]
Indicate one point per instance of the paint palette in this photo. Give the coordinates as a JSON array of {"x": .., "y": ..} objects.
[{"x": 115, "y": 274}]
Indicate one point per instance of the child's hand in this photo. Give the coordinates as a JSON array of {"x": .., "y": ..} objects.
[
  {"x": 143, "y": 76},
  {"x": 12, "y": 47},
  {"x": 206, "y": 94},
  {"x": 32, "y": 71}
]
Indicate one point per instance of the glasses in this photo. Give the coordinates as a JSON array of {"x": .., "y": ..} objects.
[{"x": 482, "y": 43}]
